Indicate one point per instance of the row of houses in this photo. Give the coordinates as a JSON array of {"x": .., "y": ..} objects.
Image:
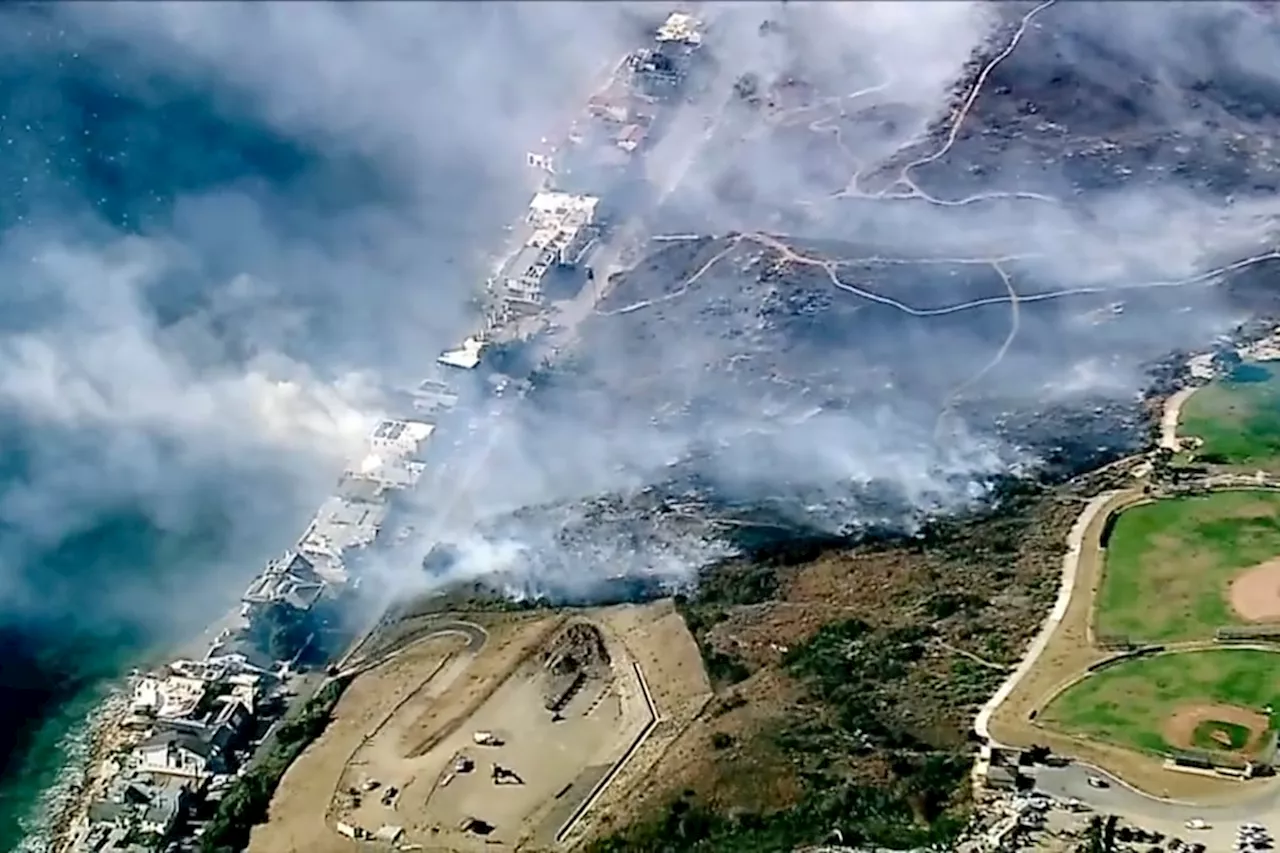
[
  {"x": 599, "y": 149},
  {"x": 191, "y": 724},
  {"x": 188, "y": 725},
  {"x": 186, "y": 732}
]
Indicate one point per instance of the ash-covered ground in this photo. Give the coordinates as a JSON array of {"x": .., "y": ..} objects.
[{"x": 889, "y": 315}]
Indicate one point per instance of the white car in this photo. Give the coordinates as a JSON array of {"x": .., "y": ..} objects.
[{"x": 1197, "y": 823}]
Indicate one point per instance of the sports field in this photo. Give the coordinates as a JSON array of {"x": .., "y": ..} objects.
[
  {"x": 1180, "y": 568},
  {"x": 1212, "y": 701},
  {"x": 1237, "y": 417}
]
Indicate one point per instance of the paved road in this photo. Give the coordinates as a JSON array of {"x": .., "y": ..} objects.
[
  {"x": 1070, "y": 566},
  {"x": 1167, "y": 816}
]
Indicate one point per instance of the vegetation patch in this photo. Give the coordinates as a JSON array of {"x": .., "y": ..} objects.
[
  {"x": 1208, "y": 700},
  {"x": 1169, "y": 564},
  {"x": 858, "y": 671},
  {"x": 1221, "y": 735},
  {"x": 1237, "y": 417}
]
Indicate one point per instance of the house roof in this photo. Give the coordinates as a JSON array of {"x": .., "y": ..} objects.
[{"x": 179, "y": 740}]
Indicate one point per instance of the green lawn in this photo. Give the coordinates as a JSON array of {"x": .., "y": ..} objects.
[
  {"x": 1129, "y": 702},
  {"x": 1168, "y": 564},
  {"x": 1207, "y": 734},
  {"x": 1238, "y": 417}
]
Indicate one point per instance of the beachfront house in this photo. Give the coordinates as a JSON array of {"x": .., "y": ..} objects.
[{"x": 179, "y": 754}]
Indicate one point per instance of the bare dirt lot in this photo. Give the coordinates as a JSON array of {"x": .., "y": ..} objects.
[
  {"x": 1255, "y": 593},
  {"x": 296, "y": 821},
  {"x": 1182, "y": 727},
  {"x": 566, "y": 698}
]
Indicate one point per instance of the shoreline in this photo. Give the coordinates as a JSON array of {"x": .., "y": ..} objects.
[
  {"x": 64, "y": 806},
  {"x": 85, "y": 746}
]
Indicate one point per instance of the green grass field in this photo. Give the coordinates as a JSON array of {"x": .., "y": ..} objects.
[
  {"x": 1238, "y": 417},
  {"x": 1128, "y": 703},
  {"x": 1207, "y": 736},
  {"x": 1168, "y": 564}
]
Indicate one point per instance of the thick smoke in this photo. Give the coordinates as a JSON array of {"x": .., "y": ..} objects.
[{"x": 423, "y": 112}]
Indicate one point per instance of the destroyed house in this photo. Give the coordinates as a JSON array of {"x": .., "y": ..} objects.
[
  {"x": 528, "y": 272},
  {"x": 143, "y": 803},
  {"x": 290, "y": 579},
  {"x": 655, "y": 72},
  {"x": 619, "y": 107},
  {"x": 340, "y": 525},
  {"x": 631, "y": 137},
  {"x": 434, "y": 396},
  {"x": 561, "y": 224}
]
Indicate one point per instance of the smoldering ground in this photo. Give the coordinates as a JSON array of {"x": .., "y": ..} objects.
[
  {"x": 1103, "y": 175},
  {"x": 223, "y": 226},
  {"x": 324, "y": 224},
  {"x": 274, "y": 266}
]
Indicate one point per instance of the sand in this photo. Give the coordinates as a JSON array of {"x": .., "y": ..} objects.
[
  {"x": 1178, "y": 728},
  {"x": 1255, "y": 593}
]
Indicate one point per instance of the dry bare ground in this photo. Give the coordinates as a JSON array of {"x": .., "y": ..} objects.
[
  {"x": 1180, "y": 727},
  {"x": 296, "y": 820},
  {"x": 1255, "y": 592},
  {"x": 659, "y": 641},
  {"x": 405, "y": 721}
]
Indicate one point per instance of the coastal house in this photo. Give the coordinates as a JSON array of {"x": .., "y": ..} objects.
[
  {"x": 291, "y": 579},
  {"x": 179, "y": 754},
  {"x": 167, "y": 805},
  {"x": 167, "y": 697},
  {"x": 341, "y": 524},
  {"x": 434, "y": 397},
  {"x": 136, "y": 804}
]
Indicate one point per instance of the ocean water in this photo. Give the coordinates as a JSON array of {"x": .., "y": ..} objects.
[
  {"x": 142, "y": 479},
  {"x": 116, "y": 536}
]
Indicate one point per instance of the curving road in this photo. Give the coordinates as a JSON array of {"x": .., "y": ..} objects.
[
  {"x": 1070, "y": 567},
  {"x": 1259, "y": 802},
  {"x": 475, "y": 635}
]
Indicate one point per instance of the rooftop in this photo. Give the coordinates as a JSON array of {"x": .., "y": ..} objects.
[
  {"x": 400, "y": 435},
  {"x": 466, "y": 357},
  {"x": 168, "y": 698},
  {"x": 551, "y": 208},
  {"x": 681, "y": 27},
  {"x": 341, "y": 524},
  {"x": 178, "y": 740}
]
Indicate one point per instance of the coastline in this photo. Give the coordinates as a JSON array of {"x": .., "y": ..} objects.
[
  {"x": 103, "y": 734},
  {"x": 91, "y": 736}
]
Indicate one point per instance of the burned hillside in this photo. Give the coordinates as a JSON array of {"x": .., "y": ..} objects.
[{"x": 901, "y": 310}]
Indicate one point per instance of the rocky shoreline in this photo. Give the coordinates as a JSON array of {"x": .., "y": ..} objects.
[{"x": 87, "y": 747}]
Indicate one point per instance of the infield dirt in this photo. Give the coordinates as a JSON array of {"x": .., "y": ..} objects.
[
  {"x": 1255, "y": 593},
  {"x": 1179, "y": 730}
]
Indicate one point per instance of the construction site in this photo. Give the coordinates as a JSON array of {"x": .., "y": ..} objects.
[{"x": 492, "y": 731}]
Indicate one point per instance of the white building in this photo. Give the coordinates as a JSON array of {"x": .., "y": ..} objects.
[
  {"x": 169, "y": 698},
  {"x": 389, "y": 460},
  {"x": 561, "y": 231},
  {"x": 177, "y": 754},
  {"x": 465, "y": 357},
  {"x": 681, "y": 28}
]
